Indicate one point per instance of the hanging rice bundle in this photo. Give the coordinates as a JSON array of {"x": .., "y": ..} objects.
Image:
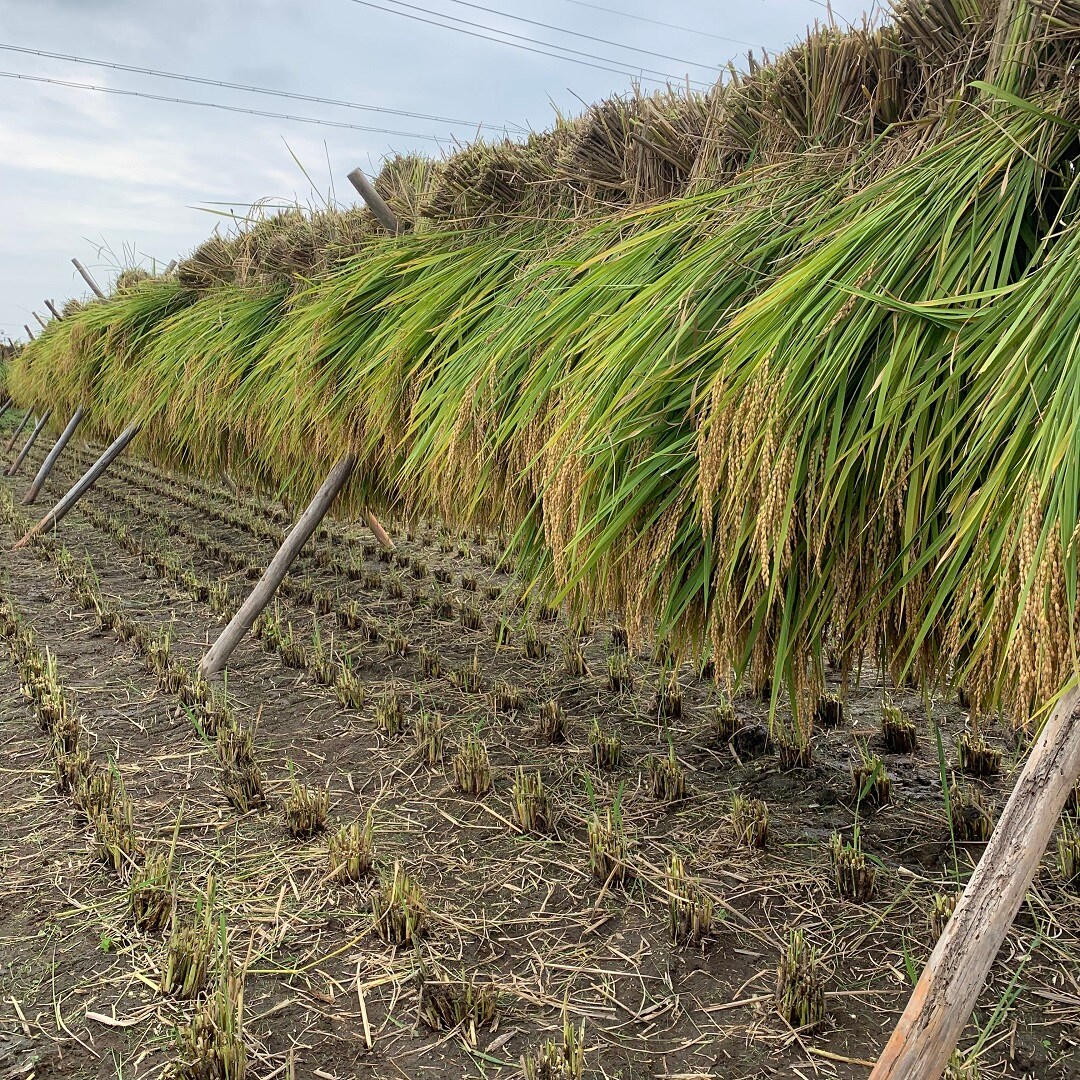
[
  {"x": 487, "y": 182},
  {"x": 824, "y": 401},
  {"x": 212, "y": 263},
  {"x": 405, "y": 182}
]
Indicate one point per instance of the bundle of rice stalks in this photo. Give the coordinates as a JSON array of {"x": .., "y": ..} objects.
[
  {"x": 629, "y": 150},
  {"x": 241, "y": 777},
  {"x": 211, "y": 263},
  {"x": 609, "y": 846},
  {"x": 486, "y": 182},
  {"x": 405, "y": 183},
  {"x": 1068, "y": 851},
  {"x": 130, "y": 277}
]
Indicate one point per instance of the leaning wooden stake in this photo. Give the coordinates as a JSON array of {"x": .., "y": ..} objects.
[
  {"x": 17, "y": 463},
  {"x": 89, "y": 479},
  {"x": 41, "y": 322},
  {"x": 380, "y": 533},
  {"x": 47, "y": 465},
  {"x": 217, "y": 656},
  {"x": 29, "y": 332},
  {"x": 7, "y": 405},
  {"x": 88, "y": 279},
  {"x": 941, "y": 1005},
  {"x": 18, "y": 431},
  {"x": 375, "y": 201},
  {"x": 52, "y": 307}
]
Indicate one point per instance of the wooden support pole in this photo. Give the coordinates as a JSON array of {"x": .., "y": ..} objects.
[
  {"x": 375, "y": 201},
  {"x": 17, "y": 463},
  {"x": 171, "y": 267},
  {"x": 941, "y": 1004},
  {"x": 7, "y": 405},
  {"x": 52, "y": 307},
  {"x": 18, "y": 431},
  {"x": 47, "y": 465},
  {"x": 89, "y": 479},
  {"x": 41, "y": 322},
  {"x": 217, "y": 656},
  {"x": 88, "y": 279},
  {"x": 29, "y": 332},
  {"x": 380, "y": 533}
]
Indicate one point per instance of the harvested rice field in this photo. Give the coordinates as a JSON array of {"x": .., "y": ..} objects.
[
  {"x": 604, "y": 603},
  {"x": 431, "y": 830}
]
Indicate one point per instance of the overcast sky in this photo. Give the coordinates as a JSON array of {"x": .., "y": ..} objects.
[{"x": 116, "y": 180}]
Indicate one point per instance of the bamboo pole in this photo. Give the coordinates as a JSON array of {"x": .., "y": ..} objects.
[
  {"x": 47, "y": 465},
  {"x": 41, "y": 322},
  {"x": 88, "y": 480},
  {"x": 389, "y": 221},
  {"x": 29, "y": 332},
  {"x": 217, "y": 656},
  {"x": 52, "y": 307},
  {"x": 380, "y": 533},
  {"x": 88, "y": 279},
  {"x": 941, "y": 1004},
  {"x": 375, "y": 202},
  {"x": 18, "y": 431},
  {"x": 17, "y": 463},
  {"x": 7, "y": 405}
]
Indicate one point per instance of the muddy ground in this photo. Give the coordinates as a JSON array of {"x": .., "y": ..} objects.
[{"x": 519, "y": 913}]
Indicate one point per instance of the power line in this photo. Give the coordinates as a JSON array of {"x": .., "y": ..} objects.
[
  {"x": 215, "y": 105},
  {"x": 601, "y": 66},
  {"x": 240, "y": 86},
  {"x": 659, "y": 22},
  {"x": 576, "y": 33},
  {"x": 663, "y": 75}
]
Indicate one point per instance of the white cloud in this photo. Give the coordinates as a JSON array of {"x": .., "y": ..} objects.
[
  {"x": 78, "y": 168},
  {"x": 133, "y": 161}
]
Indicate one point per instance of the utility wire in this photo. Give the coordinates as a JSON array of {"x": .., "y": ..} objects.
[
  {"x": 578, "y": 34},
  {"x": 660, "y": 22},
  {"x": 663, "y": 75},
  {"x": 603, "y": 64},
  {"x": 240, "y": 86},
  {"x": 214, "y": 105}
]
